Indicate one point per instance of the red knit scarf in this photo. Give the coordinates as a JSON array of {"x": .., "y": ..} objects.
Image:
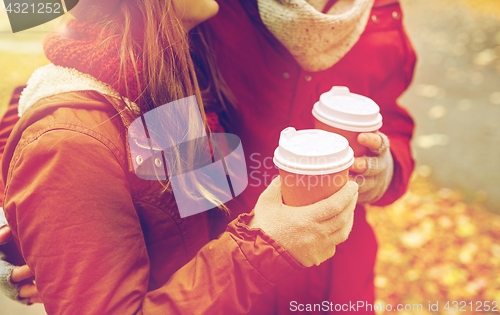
[
  {"x": 81, "y": 46},
  {"x": 89, "y": 49}
]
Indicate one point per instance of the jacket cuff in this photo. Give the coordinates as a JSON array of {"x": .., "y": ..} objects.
[
  {"x": 271, "y": 260},
  {"x": 403, "y": 168}
]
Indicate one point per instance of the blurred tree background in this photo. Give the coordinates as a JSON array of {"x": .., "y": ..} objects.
[
  {"x": 440, "y": 242},
  {"x": 20, "y": 54}
]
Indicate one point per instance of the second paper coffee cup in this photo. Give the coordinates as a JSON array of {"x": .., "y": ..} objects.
[
  {"x": 348, "y": 114},
  {"x": 313, "y": 165}
]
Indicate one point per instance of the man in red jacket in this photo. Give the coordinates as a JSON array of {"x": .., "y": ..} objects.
[{"x": 278, "y": 57}]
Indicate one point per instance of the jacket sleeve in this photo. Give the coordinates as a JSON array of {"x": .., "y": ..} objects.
[
  {"x": 7, "y": 123},
  {"x": 71, "y": 211},
  {"x": 398, "y": 124},
  {"x": 9, "y": 250},
  {"x": 399, "y": 130},
  {"x": 226, "y": 275}
]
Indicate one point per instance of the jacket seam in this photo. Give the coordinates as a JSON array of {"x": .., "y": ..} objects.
[
  {"x": 256, "y": 269},
  {"x": 385, "y": 4},
  {"x": 181, "y": 232},
  {"x": 82, "y": 130},
  {"x": 26, "y": 142},
  {"x": 248, "y": 260}
]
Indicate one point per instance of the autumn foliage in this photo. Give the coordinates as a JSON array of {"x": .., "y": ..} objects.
[{"x": 433, "y": 246}]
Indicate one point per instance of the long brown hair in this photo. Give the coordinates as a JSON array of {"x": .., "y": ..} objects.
[{"x": 151, "y": 34}]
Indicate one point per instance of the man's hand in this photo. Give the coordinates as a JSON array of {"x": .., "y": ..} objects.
[
  {"x": 373, "y": 173},
  {"x": 373, "y": 142},
  {"x": 11, "y": 276}
]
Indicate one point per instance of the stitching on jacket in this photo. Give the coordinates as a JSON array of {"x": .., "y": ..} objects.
[
  {"x": 176, "y": 221},
  {"x": 82, "y": 130},
  {"x": 26, "y": 142},
  {"x": 385, "y": 4},
  {"x": 248, "y": 260},
  {"x": 270, "y": 244}
]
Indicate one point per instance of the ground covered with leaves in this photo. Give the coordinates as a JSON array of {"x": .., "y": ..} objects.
[{"x": 435, "y": 247}]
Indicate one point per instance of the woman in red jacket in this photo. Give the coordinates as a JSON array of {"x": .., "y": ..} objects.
[{"x": 100, "y": 240}]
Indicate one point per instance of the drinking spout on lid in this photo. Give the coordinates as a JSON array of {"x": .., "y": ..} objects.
[
  {"x": 288, "y": 133},
  {"x": 340, "y": 90}
]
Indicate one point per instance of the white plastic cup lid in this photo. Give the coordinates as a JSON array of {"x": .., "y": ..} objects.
[
  {"x": 312, "y": 152},
  {"x": 342, "y": 109}
]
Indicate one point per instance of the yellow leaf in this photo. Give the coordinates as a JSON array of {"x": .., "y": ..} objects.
[
  {"x": 413, "y": 239},
  {"x": 465, "y": 230},
  {"x": 380, "y": 282},
  {"x": 445, "y": 222},
  {"x": 467, "y": 253},
  {"x": 412, "y": 275},
  {"x": 452, "y": 276}
]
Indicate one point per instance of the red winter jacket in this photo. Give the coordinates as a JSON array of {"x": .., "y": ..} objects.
[{"x": 274, "y": 92}]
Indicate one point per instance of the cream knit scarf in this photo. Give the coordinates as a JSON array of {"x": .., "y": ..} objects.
[{"x": 315, "y": 39}]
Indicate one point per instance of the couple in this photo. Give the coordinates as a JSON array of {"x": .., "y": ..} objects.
[{"x": 99, "y": 240}]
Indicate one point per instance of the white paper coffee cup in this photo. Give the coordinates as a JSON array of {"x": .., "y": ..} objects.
[
  {"x": 313, "y": 164},
  {"x": 348, "y": 114}
]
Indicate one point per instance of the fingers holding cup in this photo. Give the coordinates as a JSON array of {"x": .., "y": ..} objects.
[{"x": 372, "y": 141}]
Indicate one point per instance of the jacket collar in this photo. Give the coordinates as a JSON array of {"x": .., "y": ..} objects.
[{"x": 51, "y": 80}]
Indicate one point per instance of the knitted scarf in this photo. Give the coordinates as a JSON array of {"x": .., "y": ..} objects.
[
  {"x": 90, "y": 49},
  {"x": 81, "y": 46},
  {"x": 315, "y": 39}
]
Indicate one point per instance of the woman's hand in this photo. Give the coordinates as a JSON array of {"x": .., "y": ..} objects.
[
  {"x": 308, "y": 233},
  {"x": 4, "y": 234},
  {"x": 26, "y": 291},
  {"x": 374, "y": 173}
]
